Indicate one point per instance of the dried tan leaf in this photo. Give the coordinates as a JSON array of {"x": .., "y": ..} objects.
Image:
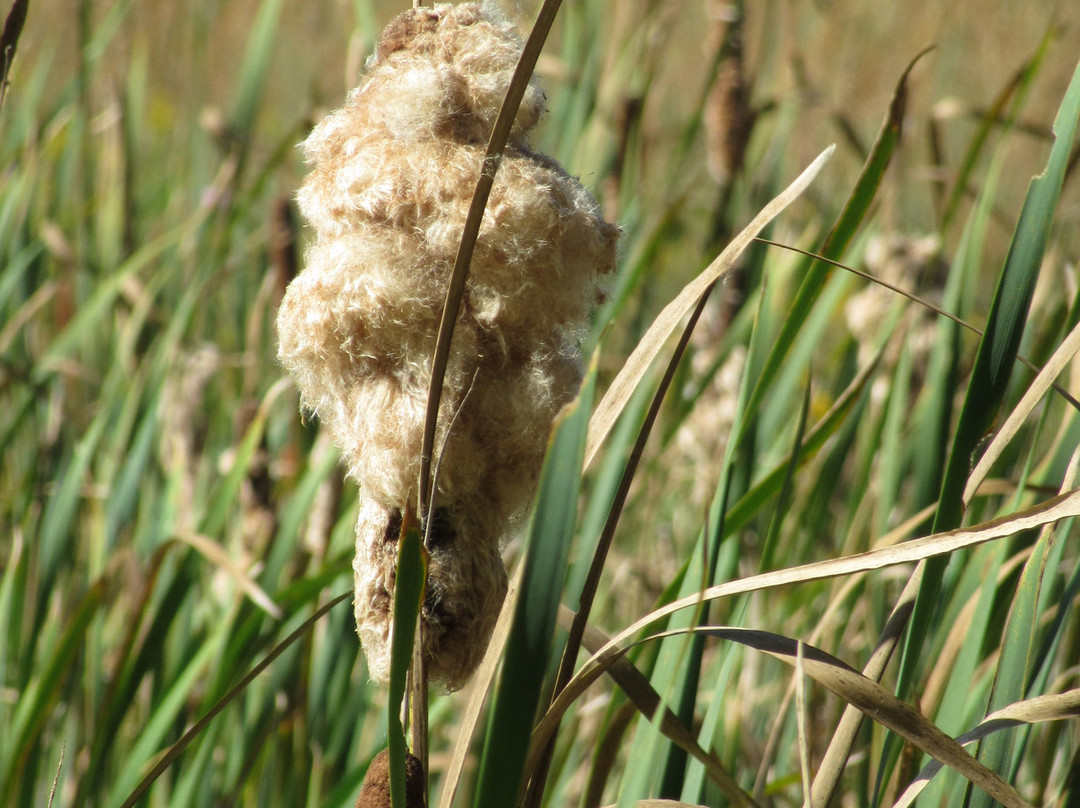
[
  {"x": 614, "y": 400},
  {"x": 836, "y": 756},
  {"x": 865, "y": 694},
  {"x": 1060, "y": 507},
  {"x": 800, "y": 723},
  {"x": 879, "y": 704},
  {"x": 216, "y": 555},
  {"x": 832, "y": 765},
  {"x": 1043, "y": 382},
  {"x": 1052, "y": 707}
]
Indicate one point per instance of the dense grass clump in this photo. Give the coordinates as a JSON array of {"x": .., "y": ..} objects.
[{"x": 799, "y": 535}]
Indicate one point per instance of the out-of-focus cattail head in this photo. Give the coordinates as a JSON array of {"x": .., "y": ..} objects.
[
  {"x": 393, "y": 175},
  {"x": 729, "y": 116}
]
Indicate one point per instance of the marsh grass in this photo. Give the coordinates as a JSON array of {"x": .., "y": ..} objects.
[{"x": 169, "y": 521}]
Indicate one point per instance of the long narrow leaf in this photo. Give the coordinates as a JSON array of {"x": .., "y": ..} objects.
[
  {"x": 409, "y": 585},
  {"x": 635, "y": 367},
  {"x": 993, "y": 365},
  {"x": 851, "y": 217},
  {"x": 529, "y": 647},
  {"x": 1061, "y": 507},
  {"x": 1051, "y": 707}
]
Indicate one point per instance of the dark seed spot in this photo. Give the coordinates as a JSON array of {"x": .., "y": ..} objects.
[
  {"x": 443, "y": 532},
  {"x": 393, "y": 527},
  {"x": 435, "y": 608}
]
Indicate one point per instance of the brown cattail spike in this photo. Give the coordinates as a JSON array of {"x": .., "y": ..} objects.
[{"x": 375, "y": 791}]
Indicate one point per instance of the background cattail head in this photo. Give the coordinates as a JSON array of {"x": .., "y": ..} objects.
[{"x": 393, "y": 175}]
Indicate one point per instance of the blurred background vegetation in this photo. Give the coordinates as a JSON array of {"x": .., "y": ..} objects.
[{"x": 167, "y": 518}]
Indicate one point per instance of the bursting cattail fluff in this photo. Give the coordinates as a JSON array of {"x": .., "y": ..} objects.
[{"x": 393, "y": 174}]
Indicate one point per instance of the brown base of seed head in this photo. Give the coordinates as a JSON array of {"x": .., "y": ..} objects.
[{"x": 375, "y": 792}]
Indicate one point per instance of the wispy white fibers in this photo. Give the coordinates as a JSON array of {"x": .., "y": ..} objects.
[{"x": 393, "y": 174}]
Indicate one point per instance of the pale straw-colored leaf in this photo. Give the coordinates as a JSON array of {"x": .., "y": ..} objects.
[
  {"x": 624, "y": 384},
  {"x": 1036, "y": 710},
  {"x": 866, "y": 695},
  {"x": 1060, "y": 507},
  {"x": 213, "y": 552},
  {"x": 835, "y": 758},
  {"x": 879, "y": 704},
  {"x": 800, "y": 723},
  {"x": 831, "y": 765},
  {"x": 1049, "y": 707},
  {"x": 1043, "y": 382}
]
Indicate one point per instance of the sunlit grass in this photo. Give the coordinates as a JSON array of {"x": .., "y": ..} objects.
[{"x": 168, "y": 519}]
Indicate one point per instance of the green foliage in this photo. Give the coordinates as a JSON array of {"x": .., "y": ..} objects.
[
  {"x": 529, "y": 647},
  {"x": 176, "y": 542},
  {"x": 408, "y": 595}
]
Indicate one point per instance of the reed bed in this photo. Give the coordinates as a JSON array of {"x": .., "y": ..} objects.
[{"x": 803, "y": 536}]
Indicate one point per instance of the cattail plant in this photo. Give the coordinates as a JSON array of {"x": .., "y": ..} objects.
[{"x": 393, "y": 174}]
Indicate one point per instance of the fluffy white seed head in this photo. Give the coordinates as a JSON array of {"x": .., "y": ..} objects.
[{"x": 393, "y": 174}]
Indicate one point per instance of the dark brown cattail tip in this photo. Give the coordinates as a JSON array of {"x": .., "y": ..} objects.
[
  {"x": 403, "y": 29},
  {"x": 375, "y": 792}
]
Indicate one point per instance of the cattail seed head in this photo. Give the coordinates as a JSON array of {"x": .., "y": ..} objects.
[{"x": 393, "y": 175}]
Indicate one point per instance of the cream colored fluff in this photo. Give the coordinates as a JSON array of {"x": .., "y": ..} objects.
[{"x": 393, "y": 174}]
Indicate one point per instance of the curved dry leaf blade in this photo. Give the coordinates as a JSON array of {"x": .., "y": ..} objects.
[
  {"x": 1043, "y": 382},
  {"x": 638, "y": 363},
  {"x": 877, "y": 703},
  {"x": 1060, "y": 507},
  {"x": 865, "y": 694},
  {"x": 1050, "y": 707},
  {"x": 213, "y": 552},
  {"x": 1054, "y": 707},
  {"x": 835, "y": 758},
  {"x": 1009, "y": 314},
  {"x": 800, "y": 723}
]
